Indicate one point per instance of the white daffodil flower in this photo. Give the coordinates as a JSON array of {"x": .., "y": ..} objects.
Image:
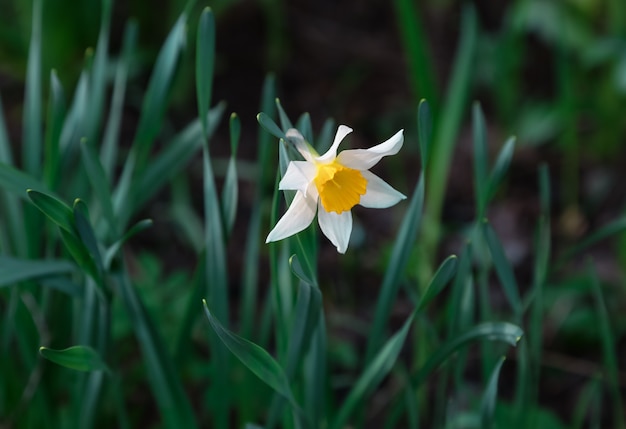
[{"x": 330, "y": 185}]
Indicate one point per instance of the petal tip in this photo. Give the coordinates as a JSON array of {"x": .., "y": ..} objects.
[{"x": 344, "y": 129}]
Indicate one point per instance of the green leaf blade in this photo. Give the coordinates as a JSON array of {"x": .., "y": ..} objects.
[
  {"x": 491, "y": 331},
  {"x": 480, "y": 158},
  {"x": 79, "y": 358},
  {"x": 424, "y": 129},
  {"x": 99, "y": 183},
  {"x": 399, "y": 257},
  {"x": 373, "y": 374},
  {"x": 154, "y": 102},
  {"x": 490, "y": 397},
  {"x": 165, "y": 383},
  {"x": 56, "y": 115},
  {"x": 230, "y": 193},
  {"x": 32, "y": 147},
  {"x": 501, "y": 166},
  {"x": 270, "y": 126},
  {"x": 255, "y": 358},
  {"x": 173, "y": 159},
  {"x": 503, "y": 269},
  {"x": 14, "y": 270},
  {"x": 56, "y": 210},
  {"x": 110, "y": 141},
  {"x": 205, "y": 58},
  {"x": 444, "y": 274}
]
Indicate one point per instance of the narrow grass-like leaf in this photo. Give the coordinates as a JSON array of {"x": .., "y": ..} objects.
[
  {"x": 316, "y": 374},
  {"x": 379, "y": 367},
  {"x": 305, "y": 127},
  {"x": 466, "y": 317},
  {"x": 424, "y": 129},
  {"x": 306, "y": 249},
  {"x": 98, "y": 75},
  {"x": 31, "y": 121},
  {"x": 110, "y": 141},
  {"x": 285, "y": 123},
  {"x": 611, "y": 229},
  {"x": 500, "y": 168},
  {"x": 298, "y": 271},
  {"x": 173, "y": 159},
  {"x": 154, "y": 102},
  {"x": 503, "y": 268},
  {"x": 91, "y": 398},
  {"x": 235, "y": 133},
  {"x": 305, "y": 320},
  {"x": 525, "y": 396},
  {"x": 444, "y": 274},
  {"x": 412, "y": 411},
  {"x": 277, "y": 274},
  {"x": 13, "y": 270},
  {"x": 587, "y": 405},
  {"x": 545, "y": 196},
  {"x": 79, "y": 252},
  {"x": 205, "y": 59},
  {"x": 63, "y": 284},
  {"x": 481, "y": 158},
  {"x": 216, "y": 287},
  {"x": 17, "y": 182},
  {"x": 86, "y": 233},
  {"x": 490, "y": 397},
  {"x": 12, "y": 235},
  {"x": 230, "y": 191},
  {"x": 190, "y": 316},
  {"x": 463, "y": 274},
  {"x": 255, "y": 358},
  {"x": 115, "y": 247},
  {"x": 56, "y": 210},
  {"x": 448, "y": 126},
  {"x": 99, "y": 183},
  {"x": 6, "y": 155},
  {"x": 166, "y": 385},
  {"x": 74, "y": 126},
  {"x": 404, "y": 408},
  {"x": 267, "y": 146},
  {"x": 79, "y": 358},
  {"x": 56, "y": 114},
  {"x": 214, "y": 243},
  {"x": 608, "y": 348},
  {"x": 186, "y": 219},
  {"x": 416, "y": 44},
  {"x": 270, "y": 126},
  {"x": 540, "y": 274},
  {"x": 249, "y": 304},
  {"x": 491, "y": 331},
  {"x": 403, "y": 244}
]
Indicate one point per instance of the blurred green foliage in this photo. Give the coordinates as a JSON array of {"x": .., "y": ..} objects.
[{"x": 552, "y": 72}]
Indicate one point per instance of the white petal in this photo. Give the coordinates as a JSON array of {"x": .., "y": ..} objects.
[
  {"x": 336, "y": 227},
  {"x": 379, "y": 194},
  {"x": 298, "y": 176},
  {"x": 295, "y": 137},
  {"x": 298, "y": 216},
  {"x": 331, "y": 153},
  {"x": 364, "y": 159}
]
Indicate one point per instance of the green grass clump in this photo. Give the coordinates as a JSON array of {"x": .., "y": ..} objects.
[{"x": 244, "y": 334}]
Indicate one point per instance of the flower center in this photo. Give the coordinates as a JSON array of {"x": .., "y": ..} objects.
[{"x": 340, "y": 187}]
